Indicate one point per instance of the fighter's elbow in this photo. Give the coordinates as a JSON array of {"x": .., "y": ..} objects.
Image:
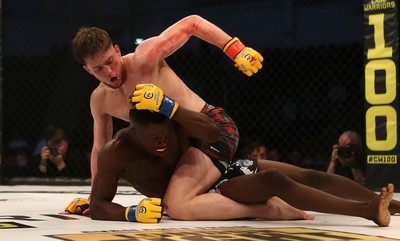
[
  {"x": 194, "y": 18},
  {"x": 192, "y": 23},
  {"x": 94, "y": 216},
  {"x": 95, "y": 212}
]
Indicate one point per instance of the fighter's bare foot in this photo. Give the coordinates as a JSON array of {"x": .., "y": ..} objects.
[
  {"x": 280, "y": 210},
  {"x": 380, "y": 205}
]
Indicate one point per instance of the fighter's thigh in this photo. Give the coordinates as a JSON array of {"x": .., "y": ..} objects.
[
  {"x": 294, "y": 172},
  {"x": 195, "y": 173},
  {"x": 252, "y": 188}
]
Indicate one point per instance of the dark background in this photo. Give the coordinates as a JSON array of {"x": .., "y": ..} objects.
[{"x": 309, "y": 91}]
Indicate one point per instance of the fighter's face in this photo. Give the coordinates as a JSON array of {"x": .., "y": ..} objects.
[
  {"x": 107, "y": 67},
  {"x": 153, "y": 138}
]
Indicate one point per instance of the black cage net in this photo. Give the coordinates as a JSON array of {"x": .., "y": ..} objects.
[{"x": 309, "y": 91}]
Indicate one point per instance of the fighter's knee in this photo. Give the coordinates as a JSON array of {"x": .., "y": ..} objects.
[
  {"x": 177, "y": 211},
  {"x": 272, "y": 177}
]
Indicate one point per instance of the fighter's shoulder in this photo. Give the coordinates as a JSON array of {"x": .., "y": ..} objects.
[
  {"x": 110, "y": 146},
  {"x": 98, "y": 94},
  {"x": 122, "y": 139},
  {"x": 148, "y": 43},
  {"x": 149, "y": 47},
  {"x": 98, "y": 97},
  {"x": 129, "y": 57},
  {"x": 100, "y": 90},
  {"x": 113, "y": 147}
]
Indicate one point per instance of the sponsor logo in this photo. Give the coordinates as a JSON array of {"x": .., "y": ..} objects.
[{"x": 382, "y": 159}]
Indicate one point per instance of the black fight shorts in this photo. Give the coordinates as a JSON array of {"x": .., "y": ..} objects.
[{"x": 237, "y": 168}]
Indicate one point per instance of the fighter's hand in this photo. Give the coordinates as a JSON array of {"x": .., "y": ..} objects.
[
  {"x": 149, "y": 210},
  {"x": 246, "y": 59},
  {"x": 151, "y": 97},
  {"x": 78, "y": 206}
]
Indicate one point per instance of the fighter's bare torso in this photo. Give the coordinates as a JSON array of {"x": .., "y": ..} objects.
[
  {"x": 115, "y": 102},
  {"x": 147, "y": 173}
]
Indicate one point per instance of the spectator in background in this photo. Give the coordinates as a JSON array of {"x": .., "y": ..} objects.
[
  {"x": 256, "y": 150},
  {"x": 259, "y": 151},
  {"x": 42, "y": 142},
  {"x": 346, "y": 158},
  {"x": 53, "y": 156},
  {"x": 17, "y": 155}
]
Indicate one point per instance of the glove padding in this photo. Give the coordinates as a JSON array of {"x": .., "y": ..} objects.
[
  {"x": 246, "y": 59},
  {"x": 151, "y": 97},
  {"x": 149, "y": 210},
  {"x": 81, "y": 203}
]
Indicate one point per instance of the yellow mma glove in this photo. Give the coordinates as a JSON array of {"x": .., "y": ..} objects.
[
  {"x": 246, "y": 59},
  {"x": 148, "y": 210},
  {"x": 81, "y": 203},
  {"x": 151, "y": 97}
]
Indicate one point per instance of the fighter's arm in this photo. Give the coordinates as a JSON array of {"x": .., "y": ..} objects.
[
  {"x": 102, "y": 131},
  {"x": 181, "y": 31},
  {"x": 150, "y": 97},
  {"x": 104, "y": 188},
  {"x": 170, "y": 40},
  {"x": 175, "y": 36},
  {"x": 197, "y": 124}
]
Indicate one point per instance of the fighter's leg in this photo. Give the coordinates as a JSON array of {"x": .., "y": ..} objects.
[
  {"x": 187, "y": 198},
  {"x": 380, "y": 205},
  {"x": 334, "y": 184},
  {"x": 261, "y": 186}
]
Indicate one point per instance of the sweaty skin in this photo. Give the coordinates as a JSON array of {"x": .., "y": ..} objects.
[
  {"x": 119, "y": 75},
  {"x": 186, "y": 196},
  {"x": 146, "y": 156},
  {"x": 265, "y": 184}
]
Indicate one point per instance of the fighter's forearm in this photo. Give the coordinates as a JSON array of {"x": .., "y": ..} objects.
[
  {"x": 179, "y": 33},
  {"x": 93, "y": 162},
  {"x": 102, "y": 210},
  {"x": 199, "y": 125},
  {"x": 207, "y": 31},
  {"x": 246, "y": 59}
]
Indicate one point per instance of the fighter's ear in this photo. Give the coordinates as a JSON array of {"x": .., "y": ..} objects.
[
  {"x": 117, "y": 49},
  {"x": 87, "y": 69}
]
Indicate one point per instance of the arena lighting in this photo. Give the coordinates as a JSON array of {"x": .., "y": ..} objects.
[{"x": 138, "y": 41}]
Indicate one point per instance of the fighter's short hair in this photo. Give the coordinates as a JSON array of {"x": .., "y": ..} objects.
[
  {"x": 90, "y": 41},
  {"x": 145, "y": 116}
]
